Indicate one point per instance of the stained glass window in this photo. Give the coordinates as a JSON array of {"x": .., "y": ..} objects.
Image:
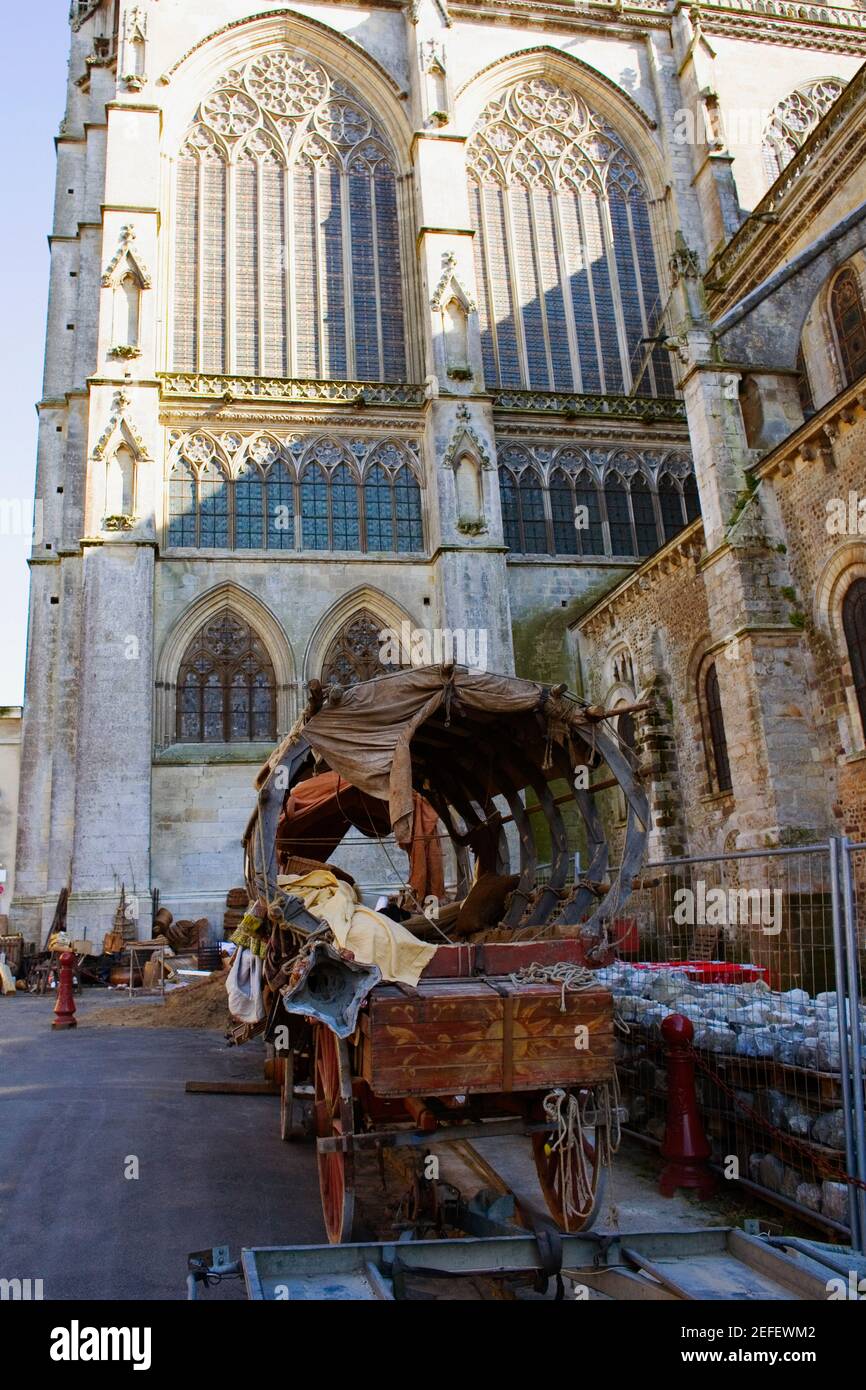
[
  {"x": 356, "y": 652},
  {"x": 849, "y": 320},
  {"x": 565, "y": 263},
  {"x": 226, "y": 685},
  {"x": 854, "y": 623},
  {"x": 263, "y": 506},
  {"x": 715, "y": 720},
  {"x": 286, "y": 187}
]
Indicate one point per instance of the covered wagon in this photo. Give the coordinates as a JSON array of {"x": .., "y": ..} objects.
[{"x": 474, "y": 1017}]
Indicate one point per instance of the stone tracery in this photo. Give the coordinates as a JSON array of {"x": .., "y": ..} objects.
[{"x": 314, "y": 233}]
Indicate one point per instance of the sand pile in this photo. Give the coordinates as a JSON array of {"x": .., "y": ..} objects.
[{"x": 202, "y": 1005}]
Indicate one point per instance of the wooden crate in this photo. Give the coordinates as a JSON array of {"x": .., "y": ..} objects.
[{"x": 466, "y": 1036}]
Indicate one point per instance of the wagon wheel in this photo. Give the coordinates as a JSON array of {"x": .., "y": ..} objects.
[
  {"x": 570, "y": 1211},
  {"x": 333, "y": 1112},
  {"x": 291, "y": 1112}
]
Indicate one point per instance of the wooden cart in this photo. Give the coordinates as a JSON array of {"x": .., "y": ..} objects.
[
  {"x": 465, "y": 1057},
  {"x": 483, "y": 1046}
]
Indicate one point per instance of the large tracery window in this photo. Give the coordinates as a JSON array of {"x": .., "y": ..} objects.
[
  {"x": 793, "y": 120},
  {"x": 226, "y": 687},
  {"x": 321, "y": 496},
  {"x": 567, "y": 506},
  {"x": 849, "y": 322},
  {"x": 564, "y": 255},
  {"x": 287, "y": 254}
]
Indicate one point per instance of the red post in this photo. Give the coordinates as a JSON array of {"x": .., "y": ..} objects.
[
  {"x": 685, "y": 1145},
  {"x": 64, "y": 1009}
]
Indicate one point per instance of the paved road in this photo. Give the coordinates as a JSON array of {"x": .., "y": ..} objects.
[{"x": 212, "y": 1169}]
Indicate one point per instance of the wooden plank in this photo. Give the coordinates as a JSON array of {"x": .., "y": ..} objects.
[
  {"x": 232, "y": 1088},
  {"x": 577, "y": 1071},
  {"x": 390, "y": 1034}
]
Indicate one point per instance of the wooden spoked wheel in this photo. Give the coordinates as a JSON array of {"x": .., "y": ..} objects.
[
  {"x": 570, "y": 1211},
  {"x": 333, "y": 1114}
]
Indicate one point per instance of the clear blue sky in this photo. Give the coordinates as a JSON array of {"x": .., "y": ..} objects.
[{"x": 32, "y": 99}]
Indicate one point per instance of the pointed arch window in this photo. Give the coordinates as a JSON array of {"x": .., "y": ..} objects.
[
  {"x": 226, "y": 689},
  {"x": 721, "y": 768},
  {"x": 565, "y": 263},
  {"x": 287, "y": 240},
  {"x": 849, "y": 322},
  {"x": 793, "y": 120},
  {"x": 355, "y": 653},
  {"x": 854, "y": 625}
]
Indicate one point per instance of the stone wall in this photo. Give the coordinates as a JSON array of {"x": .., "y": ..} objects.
[{"x": 10, "y": 767}]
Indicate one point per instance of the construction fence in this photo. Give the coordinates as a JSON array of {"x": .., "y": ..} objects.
[{"x": 764, "y": 952}]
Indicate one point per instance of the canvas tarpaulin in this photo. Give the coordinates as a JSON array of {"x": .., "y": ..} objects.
[
  {"x": 320, "y": 810},
  {"x": 366, "y": 738}
]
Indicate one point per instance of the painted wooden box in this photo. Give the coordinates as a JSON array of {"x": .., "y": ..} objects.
[{"x": 464, "y": 1036}]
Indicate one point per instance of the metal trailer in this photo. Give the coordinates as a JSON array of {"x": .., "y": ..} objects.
[{"x": 716, "y": 1264}]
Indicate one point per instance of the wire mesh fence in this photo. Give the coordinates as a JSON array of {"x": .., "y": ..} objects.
[{"x": 764, "y": 953}]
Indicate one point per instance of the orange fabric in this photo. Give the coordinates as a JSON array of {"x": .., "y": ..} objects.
[{"x": 320, "y": 810}]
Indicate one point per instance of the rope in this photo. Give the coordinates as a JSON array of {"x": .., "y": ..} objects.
[
  {"x": 570, "y": 1117},
  {"x": 568, "y": 976}
]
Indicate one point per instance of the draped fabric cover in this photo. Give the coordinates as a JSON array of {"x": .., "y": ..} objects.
[{"x": 321, "y": 810}]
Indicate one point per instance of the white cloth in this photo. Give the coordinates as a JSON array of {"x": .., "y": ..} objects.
[{"x": 244, "y": 987}]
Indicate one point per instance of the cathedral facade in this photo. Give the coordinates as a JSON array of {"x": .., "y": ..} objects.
[{"x": 536, "y": 326}]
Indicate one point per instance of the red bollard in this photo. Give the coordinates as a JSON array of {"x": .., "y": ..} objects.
[
  {"x": 64, "y": 1009},
  {"x": 685, "y": 1145}
]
